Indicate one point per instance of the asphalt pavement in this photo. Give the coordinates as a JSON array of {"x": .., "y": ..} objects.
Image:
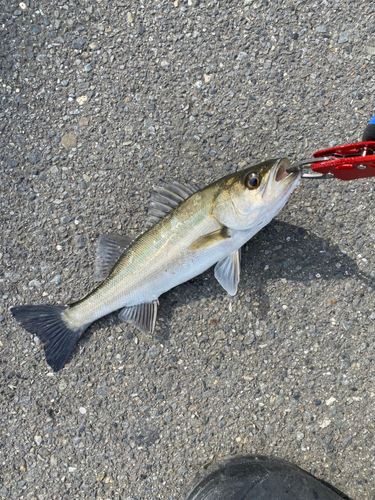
[{"x": 99, "y": 101}]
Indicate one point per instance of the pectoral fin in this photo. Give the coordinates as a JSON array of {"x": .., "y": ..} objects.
[
  {"x": 142, "y": 316},
  {"x": 210, "y": 239},
  {"x": 227, "y": 272}
]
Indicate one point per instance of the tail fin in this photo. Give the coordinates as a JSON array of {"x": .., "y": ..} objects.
[{"x": 47, "y": 323}]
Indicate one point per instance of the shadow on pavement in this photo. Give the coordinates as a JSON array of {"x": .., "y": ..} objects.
[{"x": 280, "y": 251}]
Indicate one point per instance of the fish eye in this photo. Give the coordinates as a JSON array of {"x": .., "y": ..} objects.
[{"x": 252, "y": 181}]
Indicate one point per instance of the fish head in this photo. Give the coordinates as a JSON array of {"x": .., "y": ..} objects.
[{"x": 254, "y": 195}]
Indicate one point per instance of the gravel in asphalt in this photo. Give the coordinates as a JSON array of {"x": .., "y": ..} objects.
[{"x": 99, "y": 101}]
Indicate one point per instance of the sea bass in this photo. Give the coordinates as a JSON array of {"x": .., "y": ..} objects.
[{"x": 189, "y": 232}]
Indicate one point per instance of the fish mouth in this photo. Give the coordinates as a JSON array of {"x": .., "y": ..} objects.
[{"x": 282, "y": 170}]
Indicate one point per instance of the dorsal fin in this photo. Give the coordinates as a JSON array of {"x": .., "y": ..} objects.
[
  {"x": 165, "y": 198},
  {"x": 110, "y": 248}
]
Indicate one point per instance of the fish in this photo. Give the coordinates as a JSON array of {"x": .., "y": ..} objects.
[{"x": 188, "y": 231}]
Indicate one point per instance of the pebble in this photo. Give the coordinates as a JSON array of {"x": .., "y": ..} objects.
[
  {"x": 153, "y": 352},
  {"x": 68, "y": 141},
  {"x": 80, "y": 241},
  {"x": 330, "y": 401},
  {"x": 224, "y": 138},
  {"x": 279, "y": 401},
  {"x": 34, "y": 157},
  {"x": 129, "y": 18},
  {"x": 56, "y": 280},
  {"x": 326, "y": 422},
  {"x": 241, "y": 55},
  {"x": 11, "y": 163},
  {"x": 268, "y": 429},
  {"x": 346, "y": 442},
  {"x": 82, "y": 99},
  {"x": 35, "y": 29},
  {"x": 62, "y": 385},
  {"x": 238, "y": 345},
  {"x": 38, "y": 440},
  {"x": 100, "y": 477},
  {"x": 83, "y": 122},
  {"x": 88, "y": 68},
  {"x": 82, "y": 410},
  {"x": 34, "y": 283},
  {"x": 343, "y": 37},
  {"x": 79, "y": 43}
]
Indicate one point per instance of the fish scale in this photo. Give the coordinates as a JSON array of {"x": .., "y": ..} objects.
[{"x": 156, "y": 262}]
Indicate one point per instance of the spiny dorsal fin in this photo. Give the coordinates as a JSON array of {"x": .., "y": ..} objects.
[
  {"x": 142, "y": 316},
  {"x": 110, "y": 248},
  {"x": 227, "y": 272},
  {"x": 166, "y": 198}
]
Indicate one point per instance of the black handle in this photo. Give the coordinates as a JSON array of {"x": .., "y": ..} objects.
[{"x": 369, "y": 132}]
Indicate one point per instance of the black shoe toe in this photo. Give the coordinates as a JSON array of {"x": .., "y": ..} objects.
[{"x": 260, "y": 478}]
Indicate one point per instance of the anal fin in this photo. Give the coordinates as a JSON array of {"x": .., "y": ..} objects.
[
  {"x": 142, "y": 316},
  {"x": 110, "y": 248},
  {"x": 227, "y": 272}
]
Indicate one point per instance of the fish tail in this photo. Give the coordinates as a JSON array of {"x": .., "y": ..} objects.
[{"x": 47, "y": 322}]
